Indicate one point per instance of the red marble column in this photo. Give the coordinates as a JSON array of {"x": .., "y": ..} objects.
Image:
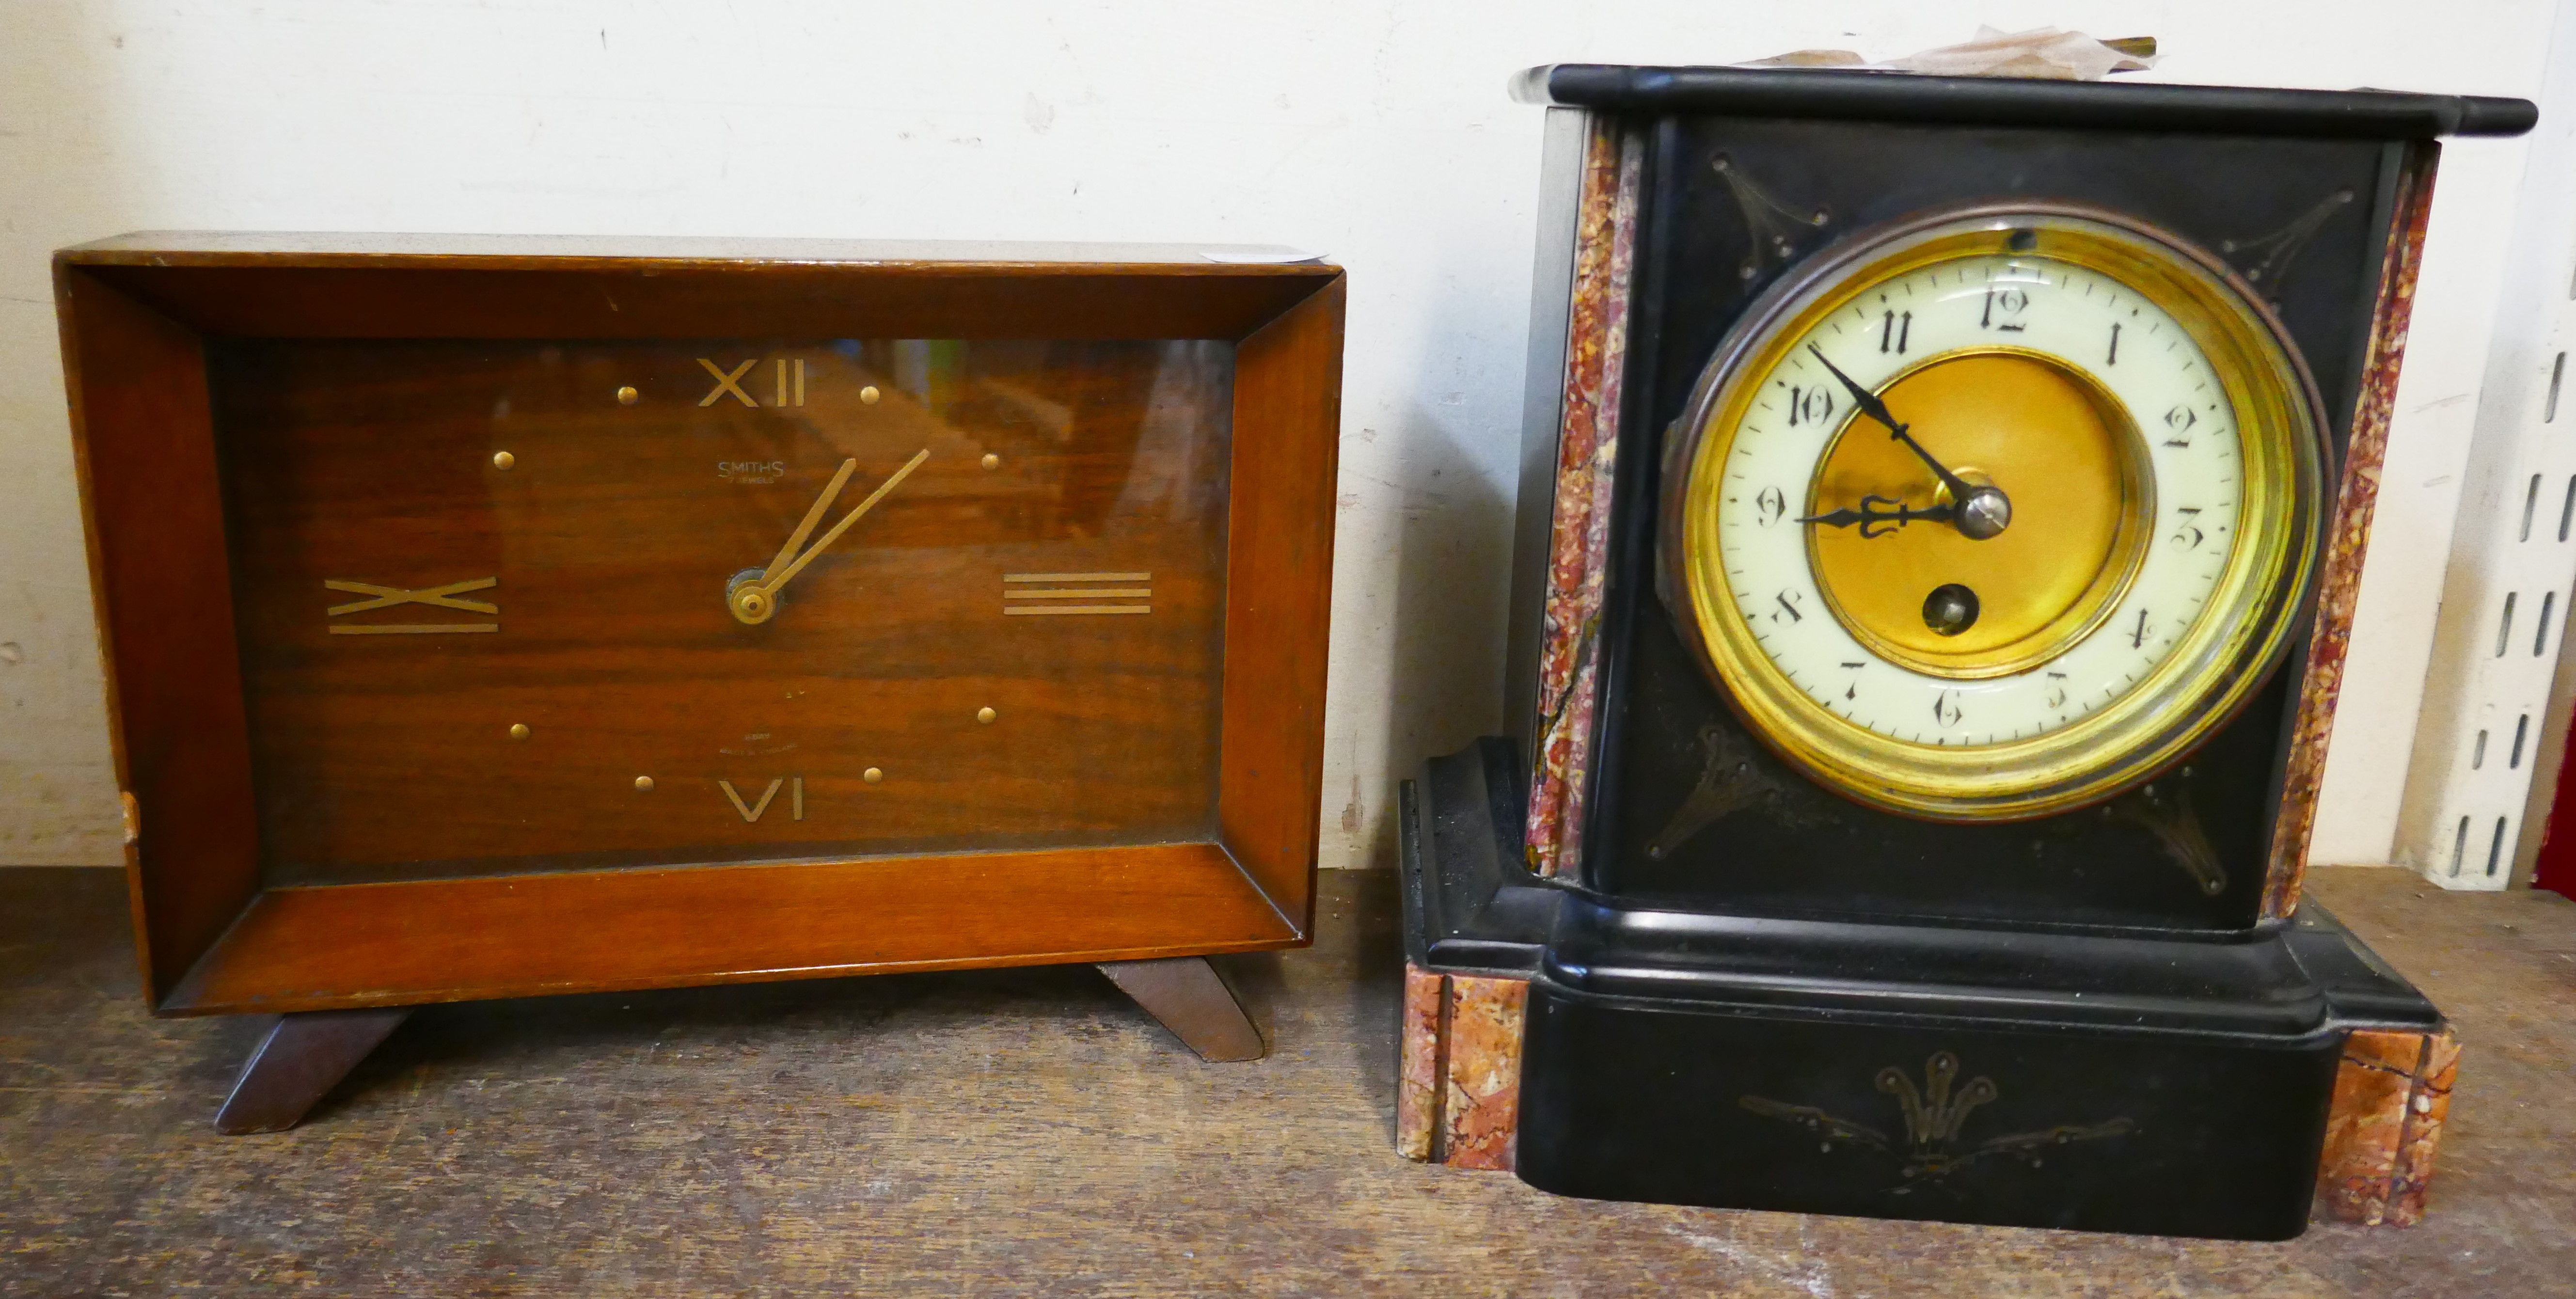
[
  {"x": 2390, "y": 1097},
  {"x": 1418, "y": 1065},
  {"x": 1587, "y": 458},
  {"x": 2348, "y": 537},
  {"x": 1459, "y": 1069}
]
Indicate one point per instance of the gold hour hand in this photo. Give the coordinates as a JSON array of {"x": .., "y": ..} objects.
[
  {"x": 753, "y": 595},
  {"x": 813, "y": 515},
  {"x": 779, "y": 578}
]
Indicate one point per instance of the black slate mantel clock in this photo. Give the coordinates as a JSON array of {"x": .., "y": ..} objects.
[{"x": 1941, "y": 511}]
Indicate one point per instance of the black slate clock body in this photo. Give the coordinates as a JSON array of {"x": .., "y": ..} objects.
[{"x": 1748, "y": 990}]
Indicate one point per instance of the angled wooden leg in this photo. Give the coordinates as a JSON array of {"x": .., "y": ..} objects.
[
  {"x": 1186, "y": 994},
  {"x": 299, "y": 1062}
]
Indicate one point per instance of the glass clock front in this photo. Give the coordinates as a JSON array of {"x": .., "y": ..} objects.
[
  {"x": 551, "y": 605},
  {"x": 1992, "y": 514}
]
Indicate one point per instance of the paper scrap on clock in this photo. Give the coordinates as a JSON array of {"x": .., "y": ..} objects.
[{"x": 2049, "y": 53}]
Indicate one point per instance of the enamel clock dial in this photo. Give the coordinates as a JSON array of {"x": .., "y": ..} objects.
[
  {"x": 1995, "y": 512},
  {"x": 615, "y": 604}
]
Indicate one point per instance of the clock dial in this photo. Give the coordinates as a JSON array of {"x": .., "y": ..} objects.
[
  {"x": 509, "y": 606},
  {"x": 1988, "y": 517},
  {"x": 2042, "y": 414}
]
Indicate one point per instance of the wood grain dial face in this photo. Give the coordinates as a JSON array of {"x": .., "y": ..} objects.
[
  {"x": 511, "y": 607},
  {"x": 1988, "y": 516}
]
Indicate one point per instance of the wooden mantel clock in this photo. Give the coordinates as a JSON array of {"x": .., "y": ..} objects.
[
  {"x": 498, "y": 617},
  {"x": 1941, "y": 511}
]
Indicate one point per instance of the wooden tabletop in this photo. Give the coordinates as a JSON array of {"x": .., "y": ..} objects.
[{"x": 1031, "y": 1132}]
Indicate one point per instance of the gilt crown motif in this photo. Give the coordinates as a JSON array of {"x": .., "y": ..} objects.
[{"x": 1934, "y": 1113}]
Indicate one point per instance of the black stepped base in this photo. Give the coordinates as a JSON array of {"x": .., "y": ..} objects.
[{"x": 2164, "y": 1082}]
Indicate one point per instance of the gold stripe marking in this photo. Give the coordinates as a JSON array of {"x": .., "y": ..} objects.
[
  {"x": 388, "y": 596},
  {"x": 1077, "y": 577},
  {"x": 752, "y": 811},
  {"x": 729, "y": 384},
  {"x": 414, "y": 628},
  {"x": 1078, "y": 608},
  {"x": 1080, "y": 593}
]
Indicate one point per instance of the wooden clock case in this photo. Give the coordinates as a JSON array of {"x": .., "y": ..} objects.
[
  {"x": 1649, "y": 960},
  {"x": 146, "y": 323}
]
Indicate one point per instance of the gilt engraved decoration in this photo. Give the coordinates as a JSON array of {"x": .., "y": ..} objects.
[
  {"x": 2164, "y": 809},
  {"x": 2274, "y": 252},
  {"x": 1935, "y": 1115},
  {"x": 1770, "y": 226},
  {"x": 1729, "y": 782}
]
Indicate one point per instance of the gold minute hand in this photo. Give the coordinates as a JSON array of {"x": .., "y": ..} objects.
[
  {"x": 796, "y": 539},
  {"x": 778, "y": 576}
]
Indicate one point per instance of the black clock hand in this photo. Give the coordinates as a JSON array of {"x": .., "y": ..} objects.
[
  {"x": 1877, "y": 522},
  {"x": 1985, "y": 511},
  {"x": 1871, "y": 406}
]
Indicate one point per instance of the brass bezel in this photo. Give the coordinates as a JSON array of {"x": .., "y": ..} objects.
[{"x": 2230, "y": 650}]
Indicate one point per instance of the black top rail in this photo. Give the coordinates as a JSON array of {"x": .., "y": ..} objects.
[{"x": 1849, "y": 95}]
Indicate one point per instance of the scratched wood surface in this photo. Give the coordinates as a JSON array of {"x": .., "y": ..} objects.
[{"x": 1029, "y": 1132}]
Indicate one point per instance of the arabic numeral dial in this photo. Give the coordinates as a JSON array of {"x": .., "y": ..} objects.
[{"x": 1953, "y": 524}]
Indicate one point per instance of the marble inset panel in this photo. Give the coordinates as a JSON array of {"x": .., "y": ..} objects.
[
  {"x": 1481, "y": 1106},
  {"x": 1458, "y": 1065},
  {"x": 1417, "y": 1086},
  {"x": 1587, "y": 455},
  {"x": 2348, "y": 537},
  {"x": 2426, "y": 1110},
  {"x": 2391, "y": 1095}
]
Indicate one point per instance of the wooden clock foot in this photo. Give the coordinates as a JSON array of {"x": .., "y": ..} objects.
[
  {"x": 1186, "y": 994},
  {"x": 300, "y": 1060}
]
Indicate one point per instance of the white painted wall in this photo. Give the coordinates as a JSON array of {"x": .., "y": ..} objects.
[
  {"x": 1378, "y": 132},
  {"x": 2486, "y": 724}
]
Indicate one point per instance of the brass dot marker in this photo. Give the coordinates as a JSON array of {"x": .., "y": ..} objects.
[
  {"x": 518, "y": 730},
  {"x": 643, "y": 784},
  {"x": 868, "y": 395},
  {"x": 503, "y": 460},
  {"x": 992, "y": 461},
  {"x": 985, "y": 715},
  {"x": 628, "y": 396},
  {"x": 872, "y": 775}
]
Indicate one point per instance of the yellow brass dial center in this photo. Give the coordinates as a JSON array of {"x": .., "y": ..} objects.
[{"x": 2074, "y": 467}]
